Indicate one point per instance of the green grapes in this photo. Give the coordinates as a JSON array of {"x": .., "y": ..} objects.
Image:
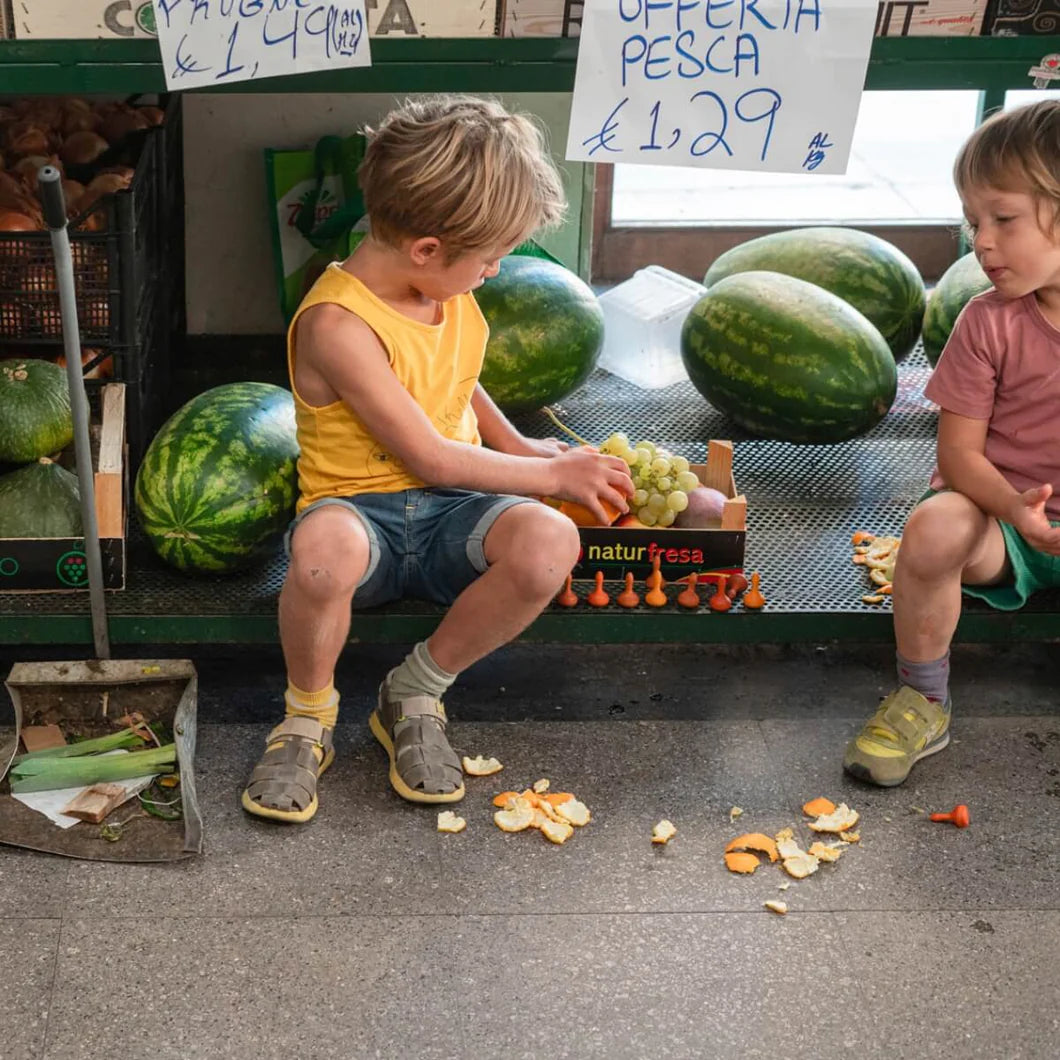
[{"x": 661, "y": 480}]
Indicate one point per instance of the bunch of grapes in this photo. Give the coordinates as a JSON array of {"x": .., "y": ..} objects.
[{"x": 661, "y": 480}]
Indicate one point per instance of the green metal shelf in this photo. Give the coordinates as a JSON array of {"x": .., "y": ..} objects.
[{"x": 489, "y": 64}]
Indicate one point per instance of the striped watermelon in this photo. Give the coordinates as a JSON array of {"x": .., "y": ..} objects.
[
  {"x": 787, "y": 360},
  {"x": 218, "y": 482},
  {"x": 961, "y": 282},
  {"x": 873, "y": 276},
  {"x": 546, "y": 330}
]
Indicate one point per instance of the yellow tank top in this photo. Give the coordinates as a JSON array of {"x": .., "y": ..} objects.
[{"x": 438, "y": 364}]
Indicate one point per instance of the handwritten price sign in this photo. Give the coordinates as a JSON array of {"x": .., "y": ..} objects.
[
  {"x": 213, "y": 42},
  {"x": 723, "y": 84}
]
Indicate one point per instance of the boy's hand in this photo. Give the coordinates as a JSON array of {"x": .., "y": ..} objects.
[
  {"x": 588, "y": 477},
  {"x": 1030, "y": 520},
  {"x": 546, "y": 447}
]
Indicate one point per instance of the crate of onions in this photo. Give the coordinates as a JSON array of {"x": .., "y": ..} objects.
[{"x": 112, "y": 154}]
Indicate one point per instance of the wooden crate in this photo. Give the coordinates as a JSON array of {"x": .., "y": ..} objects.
[
  {"x": 616, "y": 550},
  {"x": 58, "y": 564}
]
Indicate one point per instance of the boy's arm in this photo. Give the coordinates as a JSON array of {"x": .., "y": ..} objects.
[
  {"x": 342, "y": 350},
  {"x": 498, "y": 432},
  {"x": 963, "y": 464}
]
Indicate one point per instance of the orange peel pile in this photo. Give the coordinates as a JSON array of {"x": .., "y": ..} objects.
[
  {"x": 741, "y": 854},
  {"x": 555, "y": 814},
  {"x": 878, "y": 554}
]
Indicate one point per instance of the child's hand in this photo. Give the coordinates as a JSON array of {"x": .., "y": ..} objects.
[
  {"x": 1031, "y": 521},
  {"x": 546, "y": 447},
  {"x": 589, "y": 478}
]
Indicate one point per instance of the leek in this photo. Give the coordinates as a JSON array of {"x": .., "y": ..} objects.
[
  {"x": 48, "y": 772},
  {"x": 125, "y": 738}
]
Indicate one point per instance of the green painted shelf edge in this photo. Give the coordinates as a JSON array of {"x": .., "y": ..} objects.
[
  {"x": 490, "y": 64},
  {"x": 583, "y": 627}
]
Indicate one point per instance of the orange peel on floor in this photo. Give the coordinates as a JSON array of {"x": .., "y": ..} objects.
[
  {"x": 663, "y": 832},
  {"x": 449, "y": 822},
  {"x": 817, "y": 807},
  {"x": 573, "y": 812},
  {"x": 774, "y": 905},
  {"x": 541, "y": 786},
  {"x": 556, "y": 831},
  {"x": 557, "y": 798},
  {"x": 754, "y": 841},
  {"x": 480, "y": 767},
  {"x": 741, "y": 862},
  {"x": 850, "y": 837},
  {"x": 826, "y": 851},
  {"x": 517, "y": 818},
  {"x": 504, "y": 798},
  {"x": 841, "y": 819}
]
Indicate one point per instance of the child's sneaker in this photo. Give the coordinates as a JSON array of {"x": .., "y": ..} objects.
[{"x": 905, "y": 728}]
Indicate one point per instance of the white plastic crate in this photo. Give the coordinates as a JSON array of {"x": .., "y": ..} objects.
[{"x": 642, "y": 326}]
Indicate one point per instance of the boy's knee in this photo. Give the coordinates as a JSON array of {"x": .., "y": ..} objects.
[
  {"x": 542, "y": 551},
  {"x": 326, "y": 566},
  {"x": 943, "y": 532}
]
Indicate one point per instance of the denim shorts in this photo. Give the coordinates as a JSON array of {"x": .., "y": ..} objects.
[{"x": 423, "y": 543}]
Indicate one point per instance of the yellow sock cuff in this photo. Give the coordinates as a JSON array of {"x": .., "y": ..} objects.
[{"x": 322, "y": 706}]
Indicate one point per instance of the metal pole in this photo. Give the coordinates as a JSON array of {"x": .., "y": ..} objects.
[{"x": 49, "y": 179}]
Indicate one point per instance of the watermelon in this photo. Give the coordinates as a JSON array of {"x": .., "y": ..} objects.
[
  {"x": 41, "y": 499},
  {"x": 873, "y": 276},
  {"x": 546, "y": 330},
  {"x": 961, "y": 282},
  {"x": 788, "y": 360},
  {"x": 218, "y": 482},
  {"x": 35, "y": 417}
]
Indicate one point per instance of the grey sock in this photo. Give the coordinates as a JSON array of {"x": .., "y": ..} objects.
[
  {"x": 419, "y": 675},
  {"x": 930, "y": 679}
]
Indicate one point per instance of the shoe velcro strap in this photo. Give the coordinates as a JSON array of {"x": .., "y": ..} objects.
[
  {"x": 927, "y": 716},
  {"x": 418, "y": 707},
  {"x": 299, "y": 728}
]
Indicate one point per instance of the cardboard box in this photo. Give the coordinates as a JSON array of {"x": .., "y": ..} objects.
[
  {"x": 88, "y": 19},
  {"x": 1022, "y": 18},
  {"x": 930, "y": 18},
  {"x": 616, "y": 550},
  {"x": 895, "y": 18},
  {"x": 431, "y": 18},
  {"x": 58, "y": 564}
]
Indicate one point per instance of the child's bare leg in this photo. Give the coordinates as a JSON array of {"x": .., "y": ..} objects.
[
  {"x": 329, "y": 555},
  {"x": 947, "y": 540},
  {"x": 531, "y": 550}
]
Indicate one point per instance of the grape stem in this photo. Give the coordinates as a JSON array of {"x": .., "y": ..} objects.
[{"x": 566, "y": 430}]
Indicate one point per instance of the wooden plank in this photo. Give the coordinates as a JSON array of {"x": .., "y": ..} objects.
[
  {"x": 719, "y": 467},
  {"x": 734, "y": 514},
  {"x": 109, "y": 476}
]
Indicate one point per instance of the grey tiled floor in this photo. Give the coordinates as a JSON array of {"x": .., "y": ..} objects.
[{"x": 366, "y": 933}]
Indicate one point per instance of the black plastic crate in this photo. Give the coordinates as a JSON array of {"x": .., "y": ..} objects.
[{"x": 121, "y": 248}]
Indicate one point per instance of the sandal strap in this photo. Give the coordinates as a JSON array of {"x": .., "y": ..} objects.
[
  {"x": 394, "y": 711},
  {"x": 423, "y": 756},
  {"x": 286, "y": 777}
]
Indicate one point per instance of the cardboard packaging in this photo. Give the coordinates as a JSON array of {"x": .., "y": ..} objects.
[
  {"x": 618, "y": 549},
  {"x": 1022, "y": 18}
]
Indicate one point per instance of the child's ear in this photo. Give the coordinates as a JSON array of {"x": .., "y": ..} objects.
[{"x": 425, "y": 250}]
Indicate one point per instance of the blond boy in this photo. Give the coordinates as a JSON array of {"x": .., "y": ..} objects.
[{"x": 412, "y": 482}]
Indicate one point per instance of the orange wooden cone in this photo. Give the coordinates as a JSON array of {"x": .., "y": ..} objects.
[
  {"x": 567, "y": 598},
  {"x": 656, "y": 572},
  {"x": 598, "y": 598},
  {"x": 959, "y": 816},
  {"x": 628, "y": 598},
  {"x": 689, "y": 597},
  {"x": 737, "y": 584},
  {"x": 655, "y": 597},
  {"x": 753, "y": 598},
  {"x": 719, "y": 601}
]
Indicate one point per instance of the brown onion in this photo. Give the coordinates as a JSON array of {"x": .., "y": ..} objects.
[
  {"x": 82, "y": 148},
  {"x": 26, "y": 138},
  {"x": 115, "y": 127},
  {"x": 10, "y": 221}
]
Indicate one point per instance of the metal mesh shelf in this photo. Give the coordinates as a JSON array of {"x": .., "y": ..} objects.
[{"x": 804, "y": 502}]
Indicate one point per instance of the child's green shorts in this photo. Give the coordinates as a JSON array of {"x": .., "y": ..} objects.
[{"x": 1031, "y": 571}]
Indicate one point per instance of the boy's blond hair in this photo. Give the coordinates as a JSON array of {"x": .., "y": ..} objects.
[
  {"x": 462, "y": 169},
  {"x": 1016, "y": 150}
]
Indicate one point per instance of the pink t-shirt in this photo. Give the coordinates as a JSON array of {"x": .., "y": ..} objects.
[{"x": 1002, "y": 364}]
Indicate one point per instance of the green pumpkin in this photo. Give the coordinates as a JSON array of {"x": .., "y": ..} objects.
[
  {"x": 35, "y": 417},
  {"x": 40, "y": 500}
]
